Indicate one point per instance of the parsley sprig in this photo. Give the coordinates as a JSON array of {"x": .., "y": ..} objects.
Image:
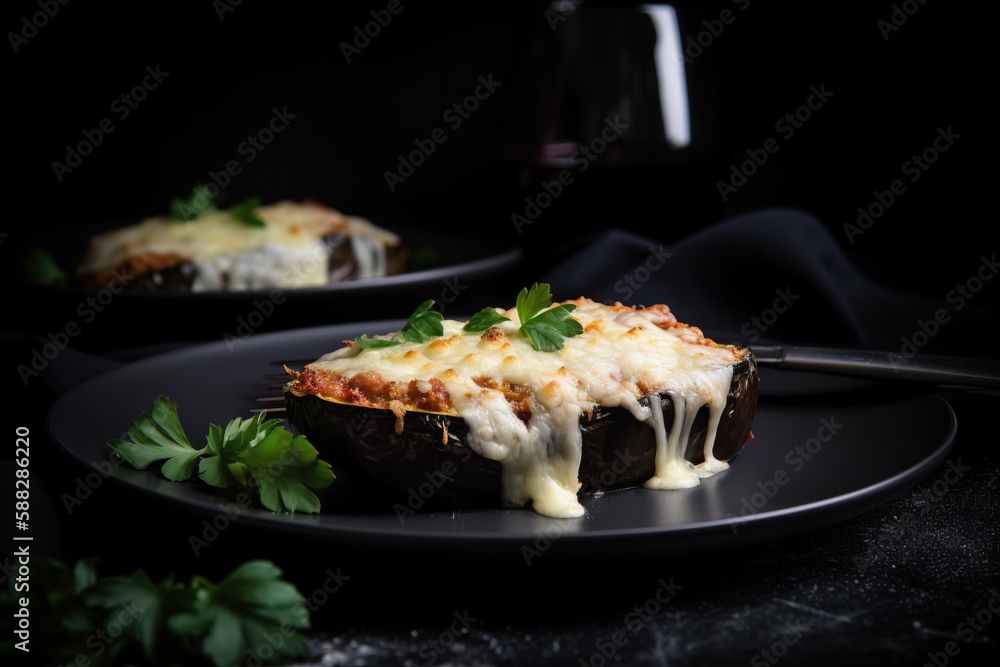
[
  {"x": 193, "y": 204},
  {"x": 544, "y": 325},
  {"x": 166, "y": 622},
  {"x": 246, "y": 212},
  {"x": 421, "y": 326},
  {"x": 200, "y": 201},
  {"x": 282, "y": 465}
]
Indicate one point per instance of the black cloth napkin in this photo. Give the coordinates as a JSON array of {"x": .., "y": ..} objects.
[{"x": 773, "y": 274}]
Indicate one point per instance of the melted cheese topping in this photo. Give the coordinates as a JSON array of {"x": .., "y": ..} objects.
[
  {"x": 624, "y": 355},
  {"x": 287, "y": 252}
]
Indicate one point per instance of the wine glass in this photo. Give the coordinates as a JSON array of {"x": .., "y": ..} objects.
[{"x": 609, "y": 123}]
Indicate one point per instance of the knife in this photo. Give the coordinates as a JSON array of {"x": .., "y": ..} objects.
[{"x": 942, "y": 371}]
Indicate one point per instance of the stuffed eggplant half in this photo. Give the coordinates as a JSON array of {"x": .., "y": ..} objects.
[
  {"x": 508, "y": 411},
  {"x": 247, "y": 247}
]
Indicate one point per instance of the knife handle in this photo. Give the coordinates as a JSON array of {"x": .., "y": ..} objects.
[{"x": 952, "y": 372}]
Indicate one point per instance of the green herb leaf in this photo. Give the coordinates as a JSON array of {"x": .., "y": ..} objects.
[
  {"x": 252, "y": 616},
  {"x": 559, "y": 319},
  {"x": 483, "y": 320},
  {"x": 142, "y": 607},
  {"x": 39, "y": 267},
  {"x": 545, "y": 326},
  {"x": 246, "y": 213},
  {"x": 239, "y": 617},
  {"x": 281, "y": 464},
  {"x": 193, "y": 205},
  {"x": 366, "y": 343},
  {"x": 423, "y": 324},
  {"x": 529, "y": 302},
  {"x": 542, "y": 338},
  {"x": 547, "y": 329},
  {"x": 61, "y": 622},
  {"x": 156, "y": 438}
]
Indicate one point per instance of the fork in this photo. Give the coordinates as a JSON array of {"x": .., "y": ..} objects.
[{"x": 274, "y": 382}]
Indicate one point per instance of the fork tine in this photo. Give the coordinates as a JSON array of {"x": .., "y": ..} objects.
[{"x": 275, "y": 382}]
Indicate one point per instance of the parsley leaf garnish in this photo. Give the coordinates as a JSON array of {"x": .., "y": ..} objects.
[
  {"x": 545, "y": 328},
  {"x": 483, "y": 320},
  {"x": 166, "y": 622},
  {"x": 194, "y": 204},
  {"x": 243, "y": 612},
  {"x": 245, "y": 212},
  {"x": 548, "y": 328},
  {"x": 159, "y": 437},
  {"x": 366, "y": 343},
  {"x": 200, "y": 201},
  {"x": 281, "y": 464},
  {"x": 39, "y": 267},
  {"x": 421, "y": 326},
  {"x": 147, "y": 604},
  {"x": 530, "y": 302},
  {"x": 544, "y": 325}
]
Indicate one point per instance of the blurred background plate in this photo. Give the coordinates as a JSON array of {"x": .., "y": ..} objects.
[{"x": 443, "y": 265}]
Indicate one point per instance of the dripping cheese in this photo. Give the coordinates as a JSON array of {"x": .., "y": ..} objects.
[{"x": 523, "y": 407}]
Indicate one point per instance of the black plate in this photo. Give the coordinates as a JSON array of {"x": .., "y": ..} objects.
[{"x": 828, "y": 455}]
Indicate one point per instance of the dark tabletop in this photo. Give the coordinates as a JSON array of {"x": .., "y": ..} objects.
[{"x": 904, "y": 583}]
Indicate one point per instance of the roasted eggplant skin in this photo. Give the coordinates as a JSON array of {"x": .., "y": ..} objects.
[{"x": 618, "y": 450}]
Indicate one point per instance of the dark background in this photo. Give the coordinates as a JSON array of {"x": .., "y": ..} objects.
[{"x": 226, "y": 74}]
